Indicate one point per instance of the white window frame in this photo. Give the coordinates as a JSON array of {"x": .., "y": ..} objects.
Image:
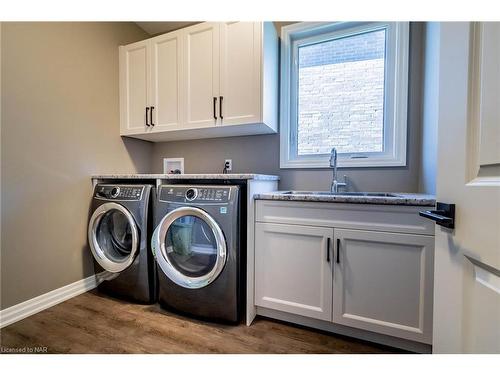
[{"x": 395, "y": 93}]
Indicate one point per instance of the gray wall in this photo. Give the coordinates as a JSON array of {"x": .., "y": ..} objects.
[
  {"x": 60, "y": 124},
  {"x": 260, "y": 154},
  {"x": 430, "y": 113}
]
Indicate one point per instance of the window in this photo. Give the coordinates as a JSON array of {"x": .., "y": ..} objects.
[{"x": 344, "y": 85}]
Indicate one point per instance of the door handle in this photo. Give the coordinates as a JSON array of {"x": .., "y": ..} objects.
[
  {"x": 443, "y": 215},
  {"x": 328, "y": 249},
  {"x": 215, "y": 105},
  {"x": 151, "y": 116},
  {"x": 220, "y": 107},
  {"x": 147, "y": 111},
  {"x": 338, "y": 250}
]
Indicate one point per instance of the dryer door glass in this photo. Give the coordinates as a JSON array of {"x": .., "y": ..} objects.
[
  {"x": 114, "y": 236},
  {"x": 191, "y": 246}
]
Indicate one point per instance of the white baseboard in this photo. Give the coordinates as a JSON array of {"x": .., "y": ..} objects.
[{"x": 27, "y": 308}]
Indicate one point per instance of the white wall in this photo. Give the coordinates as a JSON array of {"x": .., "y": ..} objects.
[{"x": 430, "y": 93}]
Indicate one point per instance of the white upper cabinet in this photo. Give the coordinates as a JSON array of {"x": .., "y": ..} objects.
[
  {"x": 207, "y": 80},
  {"x": 201, "y": 77},
  {"x": 166, "y": 66},
  {"x": 134, "y": 86},
  {"x": 240, "y": 72}
]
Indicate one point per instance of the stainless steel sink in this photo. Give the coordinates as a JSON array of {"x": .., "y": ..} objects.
[{"x": 350, "y": 194}]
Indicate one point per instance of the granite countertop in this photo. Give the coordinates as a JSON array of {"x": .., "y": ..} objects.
[
  {"x": 201, "y": 176},
  {"x": 401, "y": 199}
]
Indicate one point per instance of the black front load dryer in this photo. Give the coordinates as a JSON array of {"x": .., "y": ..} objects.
[
  {"x": 197, "y": 250},
  {"x": 118, "y": 235}
]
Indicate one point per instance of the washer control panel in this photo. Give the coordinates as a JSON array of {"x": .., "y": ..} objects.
[
  {"x": 195, "y": 194},
  {"x": 119, "y": 192}
]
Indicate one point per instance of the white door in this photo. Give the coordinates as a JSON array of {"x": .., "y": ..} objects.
[
  {"x": 134, "y": 83},
  {"x": 383, "y": 283},
  {"x": 293, "y": 269},
  {"x": 467, "y": 258},
  {"x": 240, "y": 75},
  {"x": 166, "y": 61},
  {"x": 201, "y": 75}
]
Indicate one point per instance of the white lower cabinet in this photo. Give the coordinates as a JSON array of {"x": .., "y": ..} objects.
[
  {"x": 293, "y": 269},
  {"x": 377, "y": 281},
  {"x": 383, "y": 283}
]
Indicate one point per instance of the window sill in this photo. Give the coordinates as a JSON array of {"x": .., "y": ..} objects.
[{"x": 343, "y": 163}]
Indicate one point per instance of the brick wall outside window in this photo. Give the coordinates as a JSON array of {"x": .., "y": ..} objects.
[{"x": 341, "y": 95}]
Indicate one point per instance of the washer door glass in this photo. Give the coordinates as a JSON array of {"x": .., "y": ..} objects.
[
  {"x": 189, "y": 247},
  {"x": 113, "y": 237}
]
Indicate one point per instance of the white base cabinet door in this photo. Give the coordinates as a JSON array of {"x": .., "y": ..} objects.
[
  {"x": 293, "y": 269},
  {"x": 383, "y": 283}
]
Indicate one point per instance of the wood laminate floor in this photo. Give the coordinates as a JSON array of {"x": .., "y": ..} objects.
[{"x": 93, "y": 323}]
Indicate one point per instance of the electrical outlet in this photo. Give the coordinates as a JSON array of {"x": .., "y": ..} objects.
[{"x": 228, "y": 164}]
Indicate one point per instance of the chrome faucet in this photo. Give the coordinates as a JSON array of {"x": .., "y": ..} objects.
[{"x": 333, "y": 164}]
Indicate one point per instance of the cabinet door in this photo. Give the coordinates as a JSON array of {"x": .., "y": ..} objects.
[
  {"x": 292, "y": 272},
  {"x": 166, "y": 61},
  {"x": 383, "y": 283},
  {"x": 240, "y": 72},
  {"x": 134, "y": 83},
  {"x": 201, "y": 75}
]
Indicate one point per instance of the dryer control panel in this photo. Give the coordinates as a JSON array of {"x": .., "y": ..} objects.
[
  {"x": 195, "y": 194},
  {"x": 119, "y": 192}
]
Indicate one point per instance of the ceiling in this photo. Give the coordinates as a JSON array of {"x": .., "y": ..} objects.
[{"x": 154, "y": 28}]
